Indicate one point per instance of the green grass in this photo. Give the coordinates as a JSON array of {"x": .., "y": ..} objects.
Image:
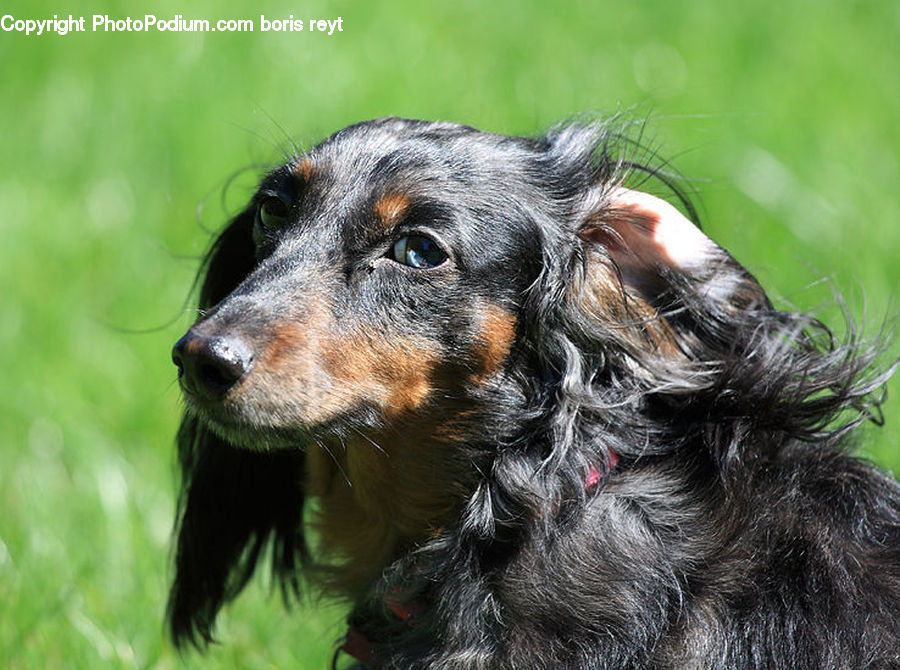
[{"x": 785, "y": 113}]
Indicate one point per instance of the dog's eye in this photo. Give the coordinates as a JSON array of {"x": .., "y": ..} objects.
[
  {"x": 272, "y": 213},
  {"x": 418, "y": 251}
]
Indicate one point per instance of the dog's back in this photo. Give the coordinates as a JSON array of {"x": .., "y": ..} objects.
[{"x": 792, "y": 566}]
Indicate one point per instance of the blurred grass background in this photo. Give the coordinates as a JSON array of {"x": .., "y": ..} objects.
[{"x": 786, "y": 113}]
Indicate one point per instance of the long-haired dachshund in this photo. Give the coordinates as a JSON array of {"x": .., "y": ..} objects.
[{"x": 532, "y": 415}]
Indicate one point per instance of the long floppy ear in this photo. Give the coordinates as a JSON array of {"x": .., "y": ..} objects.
[
  {"x": 229, "y": 261},
  {"x": 642, "y": 245},
  {"x": 232, "y": 501},
  {"x": 706, "y": 339}
]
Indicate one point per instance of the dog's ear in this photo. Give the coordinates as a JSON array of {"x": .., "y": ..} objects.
[
  {"x": 229, "y": 261},
  {"x": 651, "y": 242},
  {"x": 640, "y": 247},
  {"x": 232, "y": 501}
]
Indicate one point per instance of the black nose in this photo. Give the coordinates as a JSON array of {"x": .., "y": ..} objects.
[{"x": 209, "y": 366}]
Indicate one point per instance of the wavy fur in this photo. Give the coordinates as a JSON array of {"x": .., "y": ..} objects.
[{"x": 730, "y": 527}]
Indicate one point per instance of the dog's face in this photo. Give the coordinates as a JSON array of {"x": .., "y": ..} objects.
[
  {"x": 385, "y": 278},
  {"x": 391, "y": 286}
]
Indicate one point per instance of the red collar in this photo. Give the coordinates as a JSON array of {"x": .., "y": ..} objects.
[
  {"x": 358, "y": 646},
  {"x": 594, "y": 476}
]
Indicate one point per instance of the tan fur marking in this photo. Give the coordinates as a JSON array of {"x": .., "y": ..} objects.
[
  {"x": 288, "y": 340},
  {"x": 305, "y": 169},
  {"x": 395, "y": 374},
  {"x": 390, "y": 208},
  {"x": 312, "y": 374},
  {"x": 291, "y": 343},
  {"x": 389, "y": 491},
  {"x": 383, "y": 490},
  {"x": 603, "y": 298},
  {"x": 495, "y": 339}
]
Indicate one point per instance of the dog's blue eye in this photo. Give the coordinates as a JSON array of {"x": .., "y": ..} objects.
[
  {"x": 418, "y": 251},
  {"x": 272, "y": 213}
]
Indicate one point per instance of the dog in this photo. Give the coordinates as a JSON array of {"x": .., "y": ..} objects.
[{"x": 532, "y": 416}]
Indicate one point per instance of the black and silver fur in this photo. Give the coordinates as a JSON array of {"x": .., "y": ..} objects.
[{"x": 730, "y": 527}]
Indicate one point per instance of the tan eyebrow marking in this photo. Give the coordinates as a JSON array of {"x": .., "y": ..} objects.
[
  {"x": 305, "y": 169},
  {"x": 390, "y": 208}
]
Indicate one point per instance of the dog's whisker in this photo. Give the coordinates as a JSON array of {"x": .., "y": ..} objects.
[
  {"x": 370, "y": 440},
  {"x": 321, "y": 444}
]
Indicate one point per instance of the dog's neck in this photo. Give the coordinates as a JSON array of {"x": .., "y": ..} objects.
[
  {"x": 356, "y": 645},
  {"x": 379, "y": 498}
]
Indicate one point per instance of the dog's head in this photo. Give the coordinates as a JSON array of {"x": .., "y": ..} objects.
[
  {"x": 431, "y": 327},
  {"x": 368, "y": 282},
  {"x": 391, "y": 272}
]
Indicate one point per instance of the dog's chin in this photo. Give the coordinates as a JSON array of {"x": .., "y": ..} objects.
[
  {"x": 259, "y": 438},
  {"x": 254, "y": 437},
  {"x": 258, "y": 433},
  {"x": 250, "y": 427},
  {"x": 249, "y": 433}
]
